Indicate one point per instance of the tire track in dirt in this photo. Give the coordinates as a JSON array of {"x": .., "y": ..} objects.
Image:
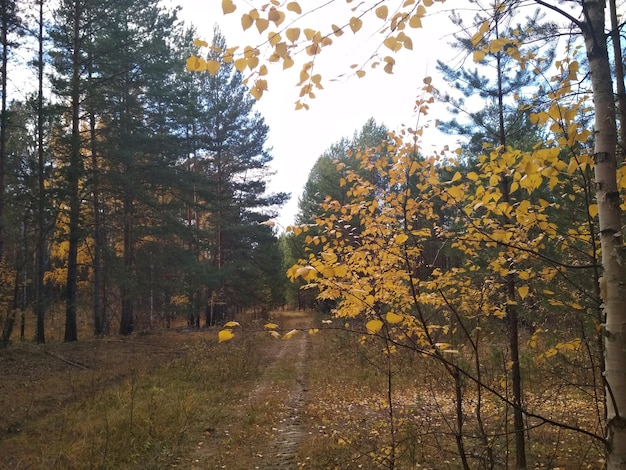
[
  {"x": 284, "y": 449},
  {"x": 280, "y": 448}
]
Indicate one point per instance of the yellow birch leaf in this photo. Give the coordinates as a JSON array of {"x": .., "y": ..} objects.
[
  {"x": 389, "y": 63},
  {"x": 200, "y": 43},
  {"x": 295, "y": 7},
  {"x": 522, "y": 291},
  {"x": 313, "y": 49},
  {"x": 337, "y": 30},
  {"x": 373, "y": 326},
  {"x": 274, "y": 334},
  {"x": 478, "y": 56},
  {"x": 355, "y": 24},
  {"x": 293, "y": 34},
  {"x": 312, "y": 331},
  {"x": 360, "y": 73},
  {"x": 231, "y": 324},
  {"x": 246, "y": 21},
  {"x": 228, "y": 6},
  {"x": 456, "y": 192},
  {"x": 407, "y": 42},
  {"x": 212, "y": 66},
  {"x": 401, "y": 238},
  {"x": 382, "y": 12},
  {"x": 196, "y": 64},
  {"x": 497, "y": 45},
  {"x": 262, "y": 24},
  {"x": 593, "y": 210},
  {"x": 290, "y": 334},
  {"x": 427, "y": 3},
  {"x": 270, "y": 326},
  {"x": 276, "y": 16},
  {"x": 415, "y": 21},
  {"x": 393, "y": 318},
  {"x": 240, "y": 64},
  {"x": 456, "y": 177},
  {"x": 309, "y": 33},
  {"x": 287, "y": 62},
  {"x": 341, "y": 271},
  {"x": 392, "y": 43},
  {"x": 225, "y": 335}
]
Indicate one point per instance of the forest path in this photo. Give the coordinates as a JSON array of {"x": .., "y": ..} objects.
[{"x": 280, "y": 394}]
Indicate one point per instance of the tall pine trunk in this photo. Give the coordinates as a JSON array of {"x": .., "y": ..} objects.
[
  {"x": 73, "y": 174},
  {"x": 40, "y": 261},
  {"x": 613, "y": 282},
  {"x": 3, "y": 139}
]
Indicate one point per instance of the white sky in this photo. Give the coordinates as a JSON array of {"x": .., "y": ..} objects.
[{"x": 298, "y": 138}]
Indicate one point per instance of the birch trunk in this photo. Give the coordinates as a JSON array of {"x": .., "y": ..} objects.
[{"x": 613, "y": 282}]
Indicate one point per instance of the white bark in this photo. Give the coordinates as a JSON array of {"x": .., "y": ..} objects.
[{"x": 611, "y": 237}]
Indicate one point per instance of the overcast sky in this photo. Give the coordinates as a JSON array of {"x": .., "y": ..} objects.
[{"x": 298, "y": 138}]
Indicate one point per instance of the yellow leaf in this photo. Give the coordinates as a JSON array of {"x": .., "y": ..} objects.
[
  {"x": 276, "y": 16},
  {"x": 240, "y": 64},
  {"x": 522, "y": 291},
  {"x": 295, "y": 7},
  {"x": 382, "y": 12},
  {"x": 337, "y": 30},
  {"x": 497, "y": 44},
  {"x": 200, "y": 43},
  {"x": 256, "y": 92},
  {"x": 373, "y": 326},
  {"x": 231, "y": 324},
  {"x": 293, "y": 34},
  {"x": 290, "y": 334},
  {"x": 275, "y": 334},
  {"x": 401, "y": 238},
  {"x": 360, "y": 73},
  {"x": 593, "y": 210},
  {"x": 262, "y": 24},
  {"x": 478, "y": 56},
  {"x": 270, "y": 326},
  {"x": 228, "y": 6},
  {"x": 389, "y": 63},
  {"x": 274, "y": 40},
  {"x": 456, "y": 177},
  {"x": 287, "y": 62},
  {"x": 427, "y": 3},
  {"x": 415, "y": 21},
  {"x": 392, "y": 43},
  {"x": 393, "y": 318},
  {"x": 212, "y": 66},
  {"x": 456, "y": 192},
  {"x": 355, "y": 24},
  {"x": 246, "y": 21},
  {"x": 196, "y": 64},
  {"x": 225, "y": 335},
  {"x": 312, "y": 331}
]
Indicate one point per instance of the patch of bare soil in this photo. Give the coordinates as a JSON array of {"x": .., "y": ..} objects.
[{"x": 37, "y": 380}]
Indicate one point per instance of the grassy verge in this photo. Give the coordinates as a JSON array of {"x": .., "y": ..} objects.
[{"x": 147, "y": 419}]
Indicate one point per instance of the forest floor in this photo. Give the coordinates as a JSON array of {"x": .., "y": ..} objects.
[{"x": 177, "y": 399}]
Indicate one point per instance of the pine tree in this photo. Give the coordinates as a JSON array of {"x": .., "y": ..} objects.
[{"x": 229, "y": 150}]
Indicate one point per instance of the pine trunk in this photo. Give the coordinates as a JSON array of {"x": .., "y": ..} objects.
[{"x": 71, "y": 333}]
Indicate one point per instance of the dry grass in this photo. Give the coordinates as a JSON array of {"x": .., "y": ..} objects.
[{"x": 178, "y": 400}]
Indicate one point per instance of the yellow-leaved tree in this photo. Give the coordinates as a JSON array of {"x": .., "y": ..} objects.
[{"x": 380, "y": 272}]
